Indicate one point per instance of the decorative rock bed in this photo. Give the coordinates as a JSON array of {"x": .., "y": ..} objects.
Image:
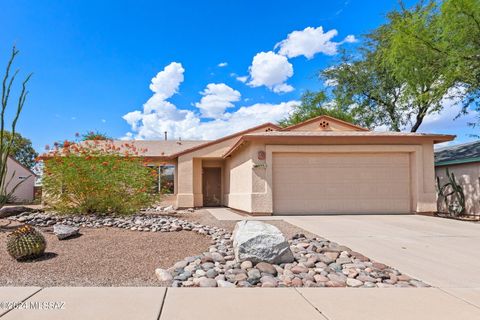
[{"x": 318, "y": 262}]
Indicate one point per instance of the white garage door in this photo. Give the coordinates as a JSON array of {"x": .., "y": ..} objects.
[{"x": 309, "y": 183}]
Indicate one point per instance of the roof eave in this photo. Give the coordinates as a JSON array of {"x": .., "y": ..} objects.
[
  {"x": 241, "y": 133},
  {"x": 246, "y": 138},
  {"x": 458, "y": 161}
]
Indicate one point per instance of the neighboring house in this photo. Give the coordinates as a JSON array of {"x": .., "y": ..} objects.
[
  {"x": 24, "y": 193},
  {"x": 463, "y": 161},
  {"x": 321, "y": 166}
]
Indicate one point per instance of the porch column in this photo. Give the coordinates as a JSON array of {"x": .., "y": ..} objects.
[{"x": 189, "y": 182}]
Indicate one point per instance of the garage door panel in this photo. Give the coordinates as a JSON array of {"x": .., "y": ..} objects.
[{"x": 308, "y": 183}]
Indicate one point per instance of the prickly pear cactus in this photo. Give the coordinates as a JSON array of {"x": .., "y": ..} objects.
[{"x": 26, "y": 242}]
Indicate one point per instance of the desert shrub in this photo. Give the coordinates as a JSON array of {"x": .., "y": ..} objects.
[{"x": 97, "y": 177}]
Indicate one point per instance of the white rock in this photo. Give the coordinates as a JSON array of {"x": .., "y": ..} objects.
[
  {"x": 207, "y": 282},
  {"x": 245, "y": 265},
  {"x": 257, "y": 241},
  {"x": 354, "y": 282},
  {"x": 163, "y": 275},
  {"x": 225, "y": 284},
  {"x": 62, "y": 231}
]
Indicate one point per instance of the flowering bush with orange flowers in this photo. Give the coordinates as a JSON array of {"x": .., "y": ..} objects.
[{"x": 98, "y": 177}]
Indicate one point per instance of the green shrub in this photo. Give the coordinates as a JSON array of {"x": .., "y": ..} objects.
[{"x": 97, "y": 177}]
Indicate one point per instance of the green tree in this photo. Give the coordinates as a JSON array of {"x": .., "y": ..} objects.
[
  {"x": 314, "y": 104},
  {"x": 441, "y": 38},
  {"x": 369, "y": 89},
  {"x": 386, "y": 86},
  {"x": 21, "y": 149}
]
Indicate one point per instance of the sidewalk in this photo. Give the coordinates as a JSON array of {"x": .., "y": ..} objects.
[{"x": 242, "y": 304}]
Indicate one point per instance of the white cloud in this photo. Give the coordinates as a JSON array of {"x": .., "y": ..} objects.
[
  {"x": 160, "y": 115},
  {"x": 222, "y": 64},
  {"x": 242, "y": 78},
  {"x": 244, "y": 118},
  {"x": 189, "y": 127},
  {"x": 103, "y": 121},
  {"x": 309, "y": 42},
  {"x": 283, "y": 87},
  {"x": 271, "y": 70},
  {"x": 165, "y": 84},
  {"x": 133, "y": 118},
  {"x": 216, "y": 98}
]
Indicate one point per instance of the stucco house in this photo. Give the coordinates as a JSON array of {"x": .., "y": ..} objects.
[
  {"x": 321, "y": 166},
  {"x": 463, "y": 160},
  {"x": 24, "y": 193}
]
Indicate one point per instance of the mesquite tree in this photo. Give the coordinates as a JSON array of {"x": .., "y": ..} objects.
[{"x": 7, "y": 185}]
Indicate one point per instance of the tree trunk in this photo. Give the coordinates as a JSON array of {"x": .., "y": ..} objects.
[{"x": 421, "y": 114}]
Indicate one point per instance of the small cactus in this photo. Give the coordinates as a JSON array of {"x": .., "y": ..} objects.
[
  {"x": 26, "y": 242},
  {"x": 452, "y": 194}
]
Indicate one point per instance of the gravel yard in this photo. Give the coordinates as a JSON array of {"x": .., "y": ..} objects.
[
  {"x": 203, "y": 217},
  {"x": 190, "y": 248},
  {"x": 112, "y": 256},
  {"x": 101, "y": 257}
]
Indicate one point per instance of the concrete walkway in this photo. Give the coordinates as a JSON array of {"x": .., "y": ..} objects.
[
  {"x": 235, "y": 304},
  {"x": 443, "y": 253}
]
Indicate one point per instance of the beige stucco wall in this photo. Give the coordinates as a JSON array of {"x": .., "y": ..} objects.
[
  {"x": 190, "y": 171},
  {"x": 247, "y": 181},
  {"x": 24, "y": 192},
  {"x": 423, "y": 195},
  {"x": 468, "y": 176},
  {"x": 238, "y": 176}
]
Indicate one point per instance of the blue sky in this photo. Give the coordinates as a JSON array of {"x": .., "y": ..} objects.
[{"x": 93, "y": 63}]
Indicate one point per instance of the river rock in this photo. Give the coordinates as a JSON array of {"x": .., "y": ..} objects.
[{"x": 163, "y": 275}]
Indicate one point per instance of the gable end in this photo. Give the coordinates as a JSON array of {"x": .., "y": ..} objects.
[{"x": 324, "y": 123}]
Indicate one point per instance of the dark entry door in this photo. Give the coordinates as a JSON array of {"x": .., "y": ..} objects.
[{"x": 212, "y": 187}]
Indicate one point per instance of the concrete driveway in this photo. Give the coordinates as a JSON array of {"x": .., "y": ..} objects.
[{"x": 441, "y": 252}]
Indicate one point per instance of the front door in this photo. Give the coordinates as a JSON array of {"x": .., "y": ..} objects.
[{"x": 212, "y": 187}]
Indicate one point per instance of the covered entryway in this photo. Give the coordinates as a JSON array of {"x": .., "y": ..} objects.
[
  {"x": 312, "y": 183},
  {"x": 212, "y": 186}
]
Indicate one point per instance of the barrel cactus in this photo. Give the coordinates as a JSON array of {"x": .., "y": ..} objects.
[{"x": 26, "y": 243}]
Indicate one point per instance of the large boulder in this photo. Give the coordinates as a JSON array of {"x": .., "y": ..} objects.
[{"x": 260, "y": 242}]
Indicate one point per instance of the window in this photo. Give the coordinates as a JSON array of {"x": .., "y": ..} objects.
[{"x": 167, "y": 180}]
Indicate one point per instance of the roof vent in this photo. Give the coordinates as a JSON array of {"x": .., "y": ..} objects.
[{"x": 324, "y": 124}]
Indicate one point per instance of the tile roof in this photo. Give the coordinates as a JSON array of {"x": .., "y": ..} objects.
[
  {"x": 460, "y": 153},
  {"x": 231, "y": 136},
  {"x": 161, "y": 148}
]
